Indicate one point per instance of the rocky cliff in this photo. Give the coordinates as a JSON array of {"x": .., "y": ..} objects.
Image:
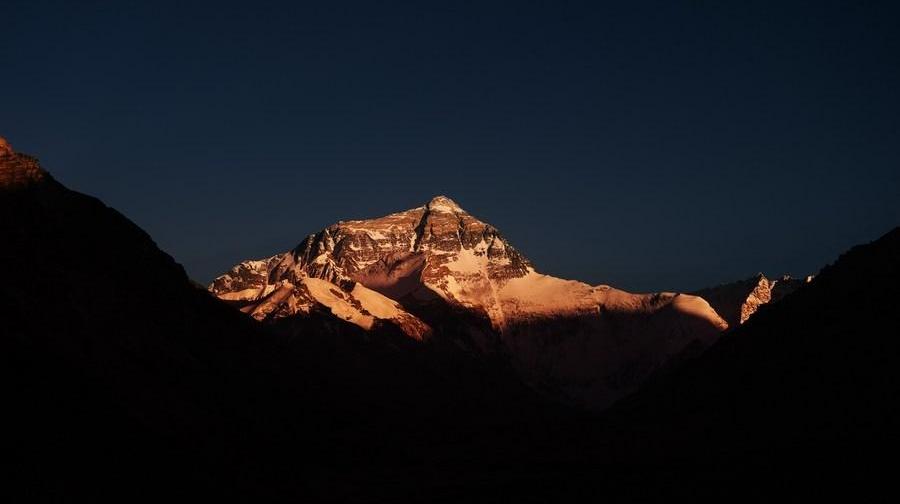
[{"x": 738, "y": 301}]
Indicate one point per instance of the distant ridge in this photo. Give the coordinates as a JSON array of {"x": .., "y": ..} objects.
[{"x": 736, "y": 302}]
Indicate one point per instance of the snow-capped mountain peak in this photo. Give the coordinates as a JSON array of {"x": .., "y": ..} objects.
[
  {"x": 438, "y": 247},
  {"x": 442, "y": 203},
  {"x": 437, "y": 259}
]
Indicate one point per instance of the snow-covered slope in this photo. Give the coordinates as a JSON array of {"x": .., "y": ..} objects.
[
  {"x": 589, "y": 344},
  {"x": 301, "y": 294}
]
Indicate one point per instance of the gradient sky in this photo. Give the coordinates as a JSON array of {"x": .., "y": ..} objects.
[{"x": 653, "y": 146}]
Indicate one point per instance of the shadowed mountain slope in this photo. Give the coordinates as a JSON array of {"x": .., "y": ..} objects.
[{"x": 806, "y": 384}]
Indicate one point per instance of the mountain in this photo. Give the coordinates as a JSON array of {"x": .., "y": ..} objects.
[
  {"x": 737, "y": 301},
  {"x": 122, "y": 378},
  {"x": 436, "y": 271}
]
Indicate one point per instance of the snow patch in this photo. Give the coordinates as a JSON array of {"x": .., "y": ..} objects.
[
  {"x": 328, "y": 294},
  {"x": 377, "y": 304}
]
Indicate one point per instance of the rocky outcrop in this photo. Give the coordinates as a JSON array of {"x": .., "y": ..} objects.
[
  {"x": 18, "y": 170},
  {"x": 738, "y": 301},
  {"x": 444, "y": 272}
]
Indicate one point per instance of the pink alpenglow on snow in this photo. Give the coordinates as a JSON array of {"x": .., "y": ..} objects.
[{"x": 584, "y": 344}]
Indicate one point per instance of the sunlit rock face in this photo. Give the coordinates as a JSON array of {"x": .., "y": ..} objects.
[
  {"x": 451, "y": 252},
  {"x": 18, "y": 170},
  {"x": 436, "y": 249},
  {"x": 736, "y": 302},
  {"x": 440, "y": 272}
]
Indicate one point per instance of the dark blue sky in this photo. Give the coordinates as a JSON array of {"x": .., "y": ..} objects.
[{"x": 649, "y": 145}]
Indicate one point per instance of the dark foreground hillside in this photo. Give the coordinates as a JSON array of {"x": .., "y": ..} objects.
[
  {"x": 800, "y": 397},
  {"x": 121, "y": 377},
  {"x": 123, "y": 380}
]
